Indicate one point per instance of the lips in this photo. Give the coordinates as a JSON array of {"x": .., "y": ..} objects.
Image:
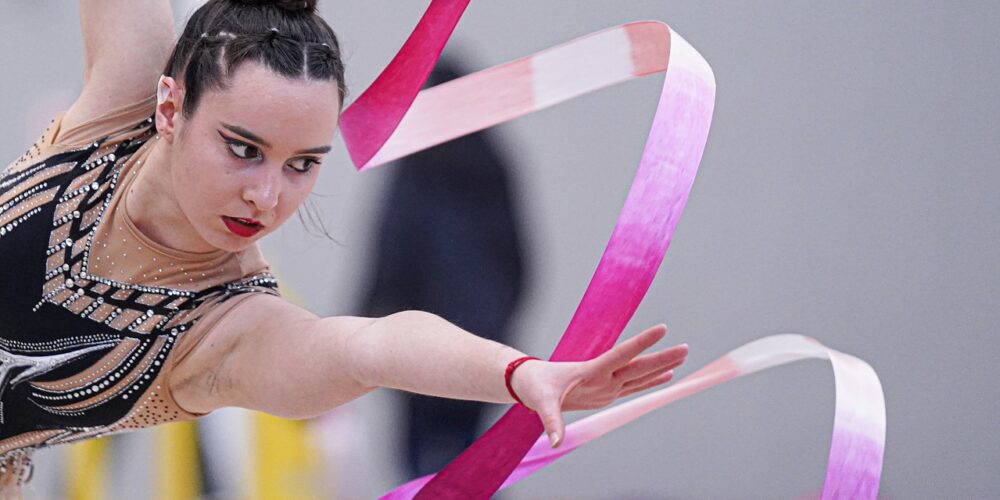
[{"x": 241, "y": 226}]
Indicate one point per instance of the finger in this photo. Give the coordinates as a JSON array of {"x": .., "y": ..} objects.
[
  {"x": 642, "y": 379},
  {"x": 653, "y": 362},
  {"x": 660, "y": 379},
  {"x": 624, "y": 352},
  {"x": 551, "y": 416},
  {"x": 645, "y": 379}
]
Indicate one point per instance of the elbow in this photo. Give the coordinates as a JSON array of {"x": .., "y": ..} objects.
[
  {"x": 369, "y": 346},
  {"x": 313, "y": 409},
  {"x": 384, "y": 333},
  {"x": 407, "y": 320}
]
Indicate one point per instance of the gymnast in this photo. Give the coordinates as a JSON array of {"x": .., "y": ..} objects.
[{"x": 132, "y": 223}]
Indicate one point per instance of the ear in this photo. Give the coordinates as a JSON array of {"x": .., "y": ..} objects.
[{"x": 169, "y": 100}]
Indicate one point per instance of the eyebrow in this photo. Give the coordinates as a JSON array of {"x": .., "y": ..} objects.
[{"x": 255, "y": 138}]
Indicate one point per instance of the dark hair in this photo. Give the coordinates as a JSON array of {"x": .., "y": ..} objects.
[{"x": 286, "y": 36}]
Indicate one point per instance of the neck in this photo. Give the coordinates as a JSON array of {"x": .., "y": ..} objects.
[{"x": 152, "y": 204}]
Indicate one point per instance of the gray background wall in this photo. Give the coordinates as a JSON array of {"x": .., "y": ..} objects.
[{"x": 848, "y": 192}]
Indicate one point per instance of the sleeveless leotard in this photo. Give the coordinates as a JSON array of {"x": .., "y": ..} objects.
[{"x": 94, "y": 314}]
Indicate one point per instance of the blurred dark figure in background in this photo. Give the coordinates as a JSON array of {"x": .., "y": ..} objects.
[{"x": 448, "y": 242}]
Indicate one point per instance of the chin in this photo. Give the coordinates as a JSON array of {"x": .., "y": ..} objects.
[
  {"x": 237, "y": 244},
  {"x": 229, "y": 242}
]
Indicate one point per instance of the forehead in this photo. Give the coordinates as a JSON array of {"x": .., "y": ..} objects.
[{"x": 274, "y": 106}]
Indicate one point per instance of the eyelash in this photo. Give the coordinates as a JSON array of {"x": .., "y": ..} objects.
[{"x": 233, "y": 143}]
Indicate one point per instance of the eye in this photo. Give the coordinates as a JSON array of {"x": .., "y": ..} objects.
[
  {"x": 243, "y": 150},
  {"x": 302, "y": 165}
]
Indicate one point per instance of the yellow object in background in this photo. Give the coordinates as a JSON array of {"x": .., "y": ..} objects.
[
  {"x": 86, "y": 470},
  {"x": 178, "y": 473},
  {"x": 286, "y": 465}
]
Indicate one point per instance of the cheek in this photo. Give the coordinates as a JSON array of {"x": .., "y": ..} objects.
[
  {"x": 204, "y": 180},
  {"x": 207, "y": 167},
  {"x": 294, "y": 195}
]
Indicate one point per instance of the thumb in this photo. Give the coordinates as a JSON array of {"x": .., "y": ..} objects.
[{"x": 552, "y": 420}]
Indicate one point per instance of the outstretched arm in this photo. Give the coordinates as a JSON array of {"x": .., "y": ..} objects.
[
  {"x": 272, "y": 356},
  {"x": 125, "y": 47}
]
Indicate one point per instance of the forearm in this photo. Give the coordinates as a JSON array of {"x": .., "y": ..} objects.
[{"x": 420, "y": 352}]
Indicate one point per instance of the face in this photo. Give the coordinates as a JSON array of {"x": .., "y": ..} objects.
[{"x": 250, "y": 154}]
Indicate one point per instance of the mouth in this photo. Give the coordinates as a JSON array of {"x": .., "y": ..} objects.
[{"x": 242, "y": 226}]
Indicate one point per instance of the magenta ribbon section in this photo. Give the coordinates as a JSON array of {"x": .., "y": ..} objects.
[{"x": 374, "y": 115}]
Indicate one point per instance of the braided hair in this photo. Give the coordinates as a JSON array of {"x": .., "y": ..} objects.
[{"x": 286, "y": 36}]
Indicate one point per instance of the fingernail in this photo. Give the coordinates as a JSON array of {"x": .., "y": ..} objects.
[{"x": 553, "y": 439}]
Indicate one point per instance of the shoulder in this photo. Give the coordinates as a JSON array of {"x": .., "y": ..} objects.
[
  {"x": 129, "y": 122},
  {"x": 249, "y": 321},
  {"x": 224, "y": 323},
  {"x": 70, "y": 131}
]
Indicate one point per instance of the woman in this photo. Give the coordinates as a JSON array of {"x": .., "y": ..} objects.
[{"x": 132, "y": 292}]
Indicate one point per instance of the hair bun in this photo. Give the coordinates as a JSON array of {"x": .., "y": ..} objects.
[{"x": 308, "y": 6}]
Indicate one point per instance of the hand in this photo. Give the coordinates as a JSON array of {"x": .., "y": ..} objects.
[{"x": 549, "y": 388}]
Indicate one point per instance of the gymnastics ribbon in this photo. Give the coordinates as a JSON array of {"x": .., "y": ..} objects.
[
  {"x": 391, "y": 119},
  {"x": 855, "y": 460},
  {"x": 369, "y": 121}
]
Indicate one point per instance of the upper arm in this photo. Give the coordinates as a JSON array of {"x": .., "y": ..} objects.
[
  {"x": 268, "y": 354},
  {"x": 125, "y": 47}
]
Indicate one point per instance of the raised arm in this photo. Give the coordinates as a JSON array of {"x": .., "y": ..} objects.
[
  {"x": 271, "y": 356},
  {"x": 125, "y": 46}
]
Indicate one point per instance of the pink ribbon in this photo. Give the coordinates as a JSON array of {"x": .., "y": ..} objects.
[
  {"x": 391, "y": 119},
  {"x": 855, "y": 460},
  {"x": 367, "y": 124}
]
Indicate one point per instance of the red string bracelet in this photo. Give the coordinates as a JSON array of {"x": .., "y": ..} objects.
[{"x": 509, "y": 373}]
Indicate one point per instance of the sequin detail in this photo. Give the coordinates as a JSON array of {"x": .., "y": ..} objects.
[{"x": 102, "y": 376}]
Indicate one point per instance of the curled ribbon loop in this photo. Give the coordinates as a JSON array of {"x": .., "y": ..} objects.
[
  {"x": 855, "y": 460},
  {"x": 393, "y": 119}
]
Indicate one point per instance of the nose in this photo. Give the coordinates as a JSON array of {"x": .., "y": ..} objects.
[{"x": 263, "y": 188}]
